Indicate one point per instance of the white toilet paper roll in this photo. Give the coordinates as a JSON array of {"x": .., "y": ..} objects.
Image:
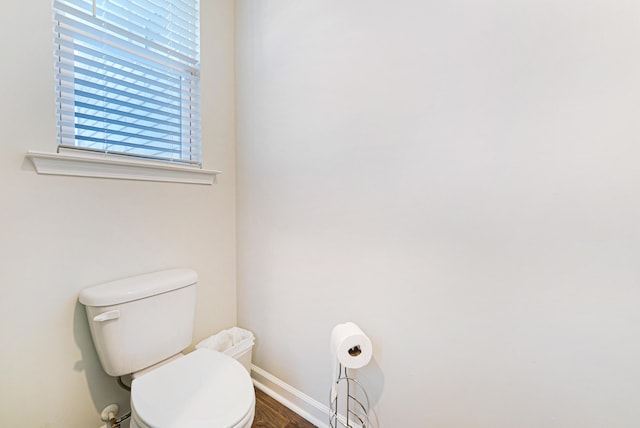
[{"x": 350, "y": 346}]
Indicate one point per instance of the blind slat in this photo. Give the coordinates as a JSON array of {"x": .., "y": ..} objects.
[{"x": 120, "y": 145}]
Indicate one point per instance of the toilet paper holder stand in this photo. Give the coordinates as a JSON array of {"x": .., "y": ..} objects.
[{"x": 355, "y": 410}]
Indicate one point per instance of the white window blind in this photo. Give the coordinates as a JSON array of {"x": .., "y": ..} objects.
[{"x": 127, "y": 77}]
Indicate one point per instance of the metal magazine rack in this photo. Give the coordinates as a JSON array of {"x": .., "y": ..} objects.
[{"x": 349, "y": 396}]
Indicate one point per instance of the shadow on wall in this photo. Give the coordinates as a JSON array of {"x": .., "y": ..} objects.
[
  {"x": 372, "y": 380},
  {"x": 103, "y": 388},
  {"x": 367, "y": 388}
]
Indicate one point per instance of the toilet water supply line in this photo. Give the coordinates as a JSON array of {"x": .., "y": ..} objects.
[
  {"x": 115, "y": 423},
  {"x": 112, "y": 410},
  {"x": 112, "y": 421},
  {"x": 109, "y": 414}
]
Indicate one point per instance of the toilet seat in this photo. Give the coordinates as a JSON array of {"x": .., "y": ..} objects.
[{"x": 204, "y": 389}]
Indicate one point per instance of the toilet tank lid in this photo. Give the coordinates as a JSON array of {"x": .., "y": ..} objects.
[{"x": 137, "y": 287}]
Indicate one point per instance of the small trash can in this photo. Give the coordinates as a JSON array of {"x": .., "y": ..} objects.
[{"x": 235, "y": 342}]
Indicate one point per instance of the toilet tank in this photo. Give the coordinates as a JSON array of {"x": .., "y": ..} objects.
[{"x": 139, "y": 321}]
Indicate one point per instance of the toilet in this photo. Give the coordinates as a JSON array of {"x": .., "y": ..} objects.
[{"x": 140, "y": 326}]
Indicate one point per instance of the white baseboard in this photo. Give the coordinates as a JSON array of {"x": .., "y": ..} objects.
[{"x": 307, "y": 407}]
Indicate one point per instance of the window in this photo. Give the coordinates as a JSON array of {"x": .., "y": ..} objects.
[{"x": 127, "y": 76}]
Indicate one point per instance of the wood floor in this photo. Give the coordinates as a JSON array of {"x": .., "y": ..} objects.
[{"x": 271, "y": 414}]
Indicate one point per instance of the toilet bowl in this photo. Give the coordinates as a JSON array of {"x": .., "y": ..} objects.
[{"x": 202, "y": 389}]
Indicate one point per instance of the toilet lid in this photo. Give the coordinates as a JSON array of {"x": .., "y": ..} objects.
[{"x": 203, "y": 389}]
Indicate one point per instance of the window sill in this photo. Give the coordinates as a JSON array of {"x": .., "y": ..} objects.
[{"x": 117, "y": 167}]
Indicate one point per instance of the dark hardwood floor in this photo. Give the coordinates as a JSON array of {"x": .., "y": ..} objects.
[{"x": 271, "y": 414}]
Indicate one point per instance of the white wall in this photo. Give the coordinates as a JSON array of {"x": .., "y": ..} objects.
[
  {"x": 461, "y": 179},
  {"x": 59, "y": 235}
]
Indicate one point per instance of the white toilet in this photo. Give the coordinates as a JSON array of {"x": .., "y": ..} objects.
[{"x": 139, "y": 326}]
